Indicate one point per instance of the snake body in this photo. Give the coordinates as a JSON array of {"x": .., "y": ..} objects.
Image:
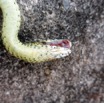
[{"x": 32, "y": 52}]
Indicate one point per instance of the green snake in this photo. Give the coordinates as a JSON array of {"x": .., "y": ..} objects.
[{"x": 31, "y": 52}]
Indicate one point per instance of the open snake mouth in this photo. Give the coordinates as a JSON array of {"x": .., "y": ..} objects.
[{"x": 65, "y": 43}]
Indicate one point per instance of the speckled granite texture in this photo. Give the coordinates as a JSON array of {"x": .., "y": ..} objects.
[{"x": 78, "y": 78}]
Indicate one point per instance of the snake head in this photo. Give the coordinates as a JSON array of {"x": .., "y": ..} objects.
[{"x": 60, "y": 47}]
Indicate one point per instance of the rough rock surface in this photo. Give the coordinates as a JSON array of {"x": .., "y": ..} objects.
[{"x": 78, "y": 78}]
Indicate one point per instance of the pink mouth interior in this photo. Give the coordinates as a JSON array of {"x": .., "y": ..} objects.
[{"x": 61, "y": 43}]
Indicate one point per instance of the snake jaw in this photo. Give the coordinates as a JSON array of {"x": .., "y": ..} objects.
[
  {"x": 60, "y": 52},
  {"x": 59, "y": 43}
]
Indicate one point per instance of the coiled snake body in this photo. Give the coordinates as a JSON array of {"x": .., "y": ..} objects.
[{"x": 32, "y": 52}]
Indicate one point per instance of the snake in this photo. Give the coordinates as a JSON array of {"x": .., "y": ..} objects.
[{"x": 38, "y": 51}]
